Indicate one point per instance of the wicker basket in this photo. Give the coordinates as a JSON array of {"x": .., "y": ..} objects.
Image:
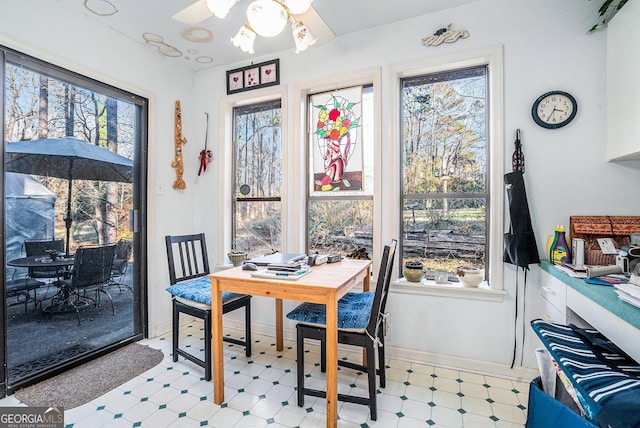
[{"x": 595, "y": 257}]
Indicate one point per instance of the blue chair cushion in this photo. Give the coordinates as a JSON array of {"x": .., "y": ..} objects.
[
  {"x": 354, "y": 310},
  {"x": 198, "y": 290}
]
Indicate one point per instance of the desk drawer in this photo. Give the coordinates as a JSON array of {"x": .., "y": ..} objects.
[
  {"x": 552, "y": 314},
  {"x": 553, "y": 291}
]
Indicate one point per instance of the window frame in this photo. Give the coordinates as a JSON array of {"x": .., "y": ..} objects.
[
  {"x": 302, "y": 90},
  {"x": 226, "y": 175},
  {"x": 361, "y": 195},
  {"x": 235, "y": 200},
  {"x": 492, "y": 57}
]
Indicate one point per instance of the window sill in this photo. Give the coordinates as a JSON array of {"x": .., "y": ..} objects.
[{"x": 430, "y": 288}]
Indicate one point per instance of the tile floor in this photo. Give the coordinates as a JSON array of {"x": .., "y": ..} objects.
[{"x": 260, "y": 392}]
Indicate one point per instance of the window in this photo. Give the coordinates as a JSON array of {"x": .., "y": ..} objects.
[
  {"x": 340, "y": 165},
  {"x": 445, "y": 159},
  {"x": 257, "y": 183}
]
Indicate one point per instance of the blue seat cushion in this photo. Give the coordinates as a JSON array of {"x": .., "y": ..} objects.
[
  {"x": 199, "y": 291},
  {"x": 354, "y": 310}
]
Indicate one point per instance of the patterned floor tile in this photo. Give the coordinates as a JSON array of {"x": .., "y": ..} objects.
[{"x": 261, "y": 392}]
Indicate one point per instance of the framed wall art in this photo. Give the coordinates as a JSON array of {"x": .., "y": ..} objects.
[{"x": 253, "y": 76}]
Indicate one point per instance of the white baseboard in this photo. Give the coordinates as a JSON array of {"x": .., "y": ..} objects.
[{"x": 522, "y": 374}]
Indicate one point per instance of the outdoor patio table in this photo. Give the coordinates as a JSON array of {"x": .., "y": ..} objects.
[
  {"x": 62, "y": 264},
  {"x": 325, "y": 284}
]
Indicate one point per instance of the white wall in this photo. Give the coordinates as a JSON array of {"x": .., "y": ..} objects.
[{"x": 545, "y": 47}]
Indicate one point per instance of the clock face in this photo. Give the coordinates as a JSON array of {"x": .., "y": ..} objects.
[{"x": 554, "y": 109}]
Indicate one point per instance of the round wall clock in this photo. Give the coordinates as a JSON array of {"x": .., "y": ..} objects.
[{"x": 554, "y": 109}]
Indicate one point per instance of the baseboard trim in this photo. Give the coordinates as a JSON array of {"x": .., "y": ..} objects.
[{"x": 522, "y": 374}]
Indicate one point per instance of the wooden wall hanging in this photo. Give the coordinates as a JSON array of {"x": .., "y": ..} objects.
[{"x": 179, "y": 141}]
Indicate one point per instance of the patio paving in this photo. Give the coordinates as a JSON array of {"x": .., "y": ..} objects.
[{"x": 37, "y": 340}]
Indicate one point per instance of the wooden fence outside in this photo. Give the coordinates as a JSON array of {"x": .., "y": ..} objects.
[{"x": 433, "y": 244}]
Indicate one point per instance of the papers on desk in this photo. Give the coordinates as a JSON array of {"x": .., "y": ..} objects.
[
  {"x": 629, "y": 293},
  {"x": 571, "y": 272},
  {"x": 273, "y": 274}
]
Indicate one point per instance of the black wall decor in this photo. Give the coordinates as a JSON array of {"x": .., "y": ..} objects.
[{"x": 253, "y": 76}]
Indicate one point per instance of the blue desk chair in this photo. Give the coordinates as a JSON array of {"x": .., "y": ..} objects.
[
  {"x": 191, "y": 291},
  {"x": 360, "y": 323}
]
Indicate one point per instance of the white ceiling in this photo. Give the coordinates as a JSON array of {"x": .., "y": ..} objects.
[{"x": 207, "y": 43}]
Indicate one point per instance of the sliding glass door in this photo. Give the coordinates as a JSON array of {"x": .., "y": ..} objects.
[{"x": 73, "y": 178}]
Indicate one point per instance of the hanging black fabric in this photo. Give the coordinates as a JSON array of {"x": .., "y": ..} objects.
[{"x": 520, "y": 247}]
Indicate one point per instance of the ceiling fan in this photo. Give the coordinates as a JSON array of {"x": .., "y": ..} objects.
[{"x": 266, "y": 18}]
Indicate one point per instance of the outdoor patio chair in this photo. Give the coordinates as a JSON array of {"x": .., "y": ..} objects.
[
  {"x": 191, "y": 291},
  {"x": 361, "y": 317},
  {"x": 42, "y": 247},
  {"x": 91, "y": 272},
  {"x": 21, "y": 289},
  {"x": 124, "y": 249}
]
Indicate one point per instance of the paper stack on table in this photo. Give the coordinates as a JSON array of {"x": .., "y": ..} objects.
[{"x": 629, "y": 293}]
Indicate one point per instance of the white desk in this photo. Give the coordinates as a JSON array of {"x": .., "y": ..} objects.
[{"x": 598, "y": 305}]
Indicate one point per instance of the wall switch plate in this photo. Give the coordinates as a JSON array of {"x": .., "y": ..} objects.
[{"x": 159, "y": 188}]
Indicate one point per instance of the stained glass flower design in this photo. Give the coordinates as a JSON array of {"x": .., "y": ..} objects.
[{"x": 335, "y": 121}]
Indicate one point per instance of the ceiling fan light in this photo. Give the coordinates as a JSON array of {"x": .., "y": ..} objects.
[
  {"x": 244, "y": 39},
  {"x": 298, "y": 7},
  {"x": 267, "y": 17},
  {"x": 302, "y": 36},
  {"x": 220, "y": 8}
]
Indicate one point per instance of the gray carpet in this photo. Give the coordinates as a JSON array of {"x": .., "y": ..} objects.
[{"x": 89, "y": 381}]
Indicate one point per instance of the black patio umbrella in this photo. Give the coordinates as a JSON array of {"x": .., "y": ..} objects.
[{"x": 69, "y": 158}]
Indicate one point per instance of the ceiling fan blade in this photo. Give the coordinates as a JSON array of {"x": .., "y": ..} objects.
[
  {"x": 316, "y": 25},
  {"x": 194, "y": 14}
]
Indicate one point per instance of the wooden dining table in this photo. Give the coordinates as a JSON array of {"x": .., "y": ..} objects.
[{"x": 326, "y": 284}]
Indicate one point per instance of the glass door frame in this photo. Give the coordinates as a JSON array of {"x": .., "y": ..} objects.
[{"x": 138, "y": 218}]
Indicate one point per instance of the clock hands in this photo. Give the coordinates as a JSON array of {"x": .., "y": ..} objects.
[{"x": 552, "y": 112}]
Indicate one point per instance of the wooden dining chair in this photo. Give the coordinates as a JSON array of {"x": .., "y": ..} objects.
[
  {"x": 361, "y": 317},
  {"x": 191, "y": 291}
]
